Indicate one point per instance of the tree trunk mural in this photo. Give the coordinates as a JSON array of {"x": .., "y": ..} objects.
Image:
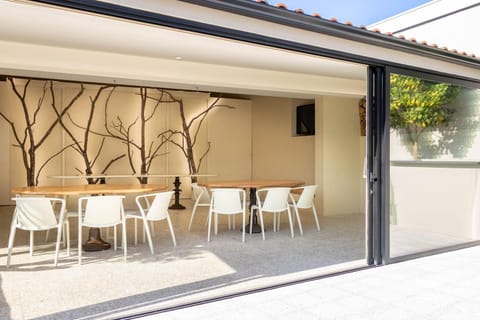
[
  {"x": 82, "y": 147},
  {"x": 190, "y": 130},
  {"x": 147, "y": 150},
  {"x": 27, "y": 135}
]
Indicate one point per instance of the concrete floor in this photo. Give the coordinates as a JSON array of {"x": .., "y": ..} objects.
[{"x": 105, "y": 287}]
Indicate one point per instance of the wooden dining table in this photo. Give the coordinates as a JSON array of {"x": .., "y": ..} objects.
[
  {"x": 94, "y": 241},
  {"x": 253, "y": 185},
  {"x": 176, "y": 205}
]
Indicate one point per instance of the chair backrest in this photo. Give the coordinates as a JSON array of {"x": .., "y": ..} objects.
[
  {"x": 228, "y": 200},
  {"x": 36, "y": 213},
  {"x": 159, "y": 207},
  {"x": 102, "y": 211},
  {"x": 305, "y": 201},
  {"x": 276, "y": 199},
  {"x": 200, "y": 193}
]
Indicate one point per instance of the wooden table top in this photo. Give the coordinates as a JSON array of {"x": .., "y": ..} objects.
[
  {"x": 173, "y": 175},
  {"x": 87, "y": 189},
  {"x": 254, "y": 183}
]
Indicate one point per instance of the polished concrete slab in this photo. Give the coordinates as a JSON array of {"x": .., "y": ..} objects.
[{"x": 105, "y": 286}]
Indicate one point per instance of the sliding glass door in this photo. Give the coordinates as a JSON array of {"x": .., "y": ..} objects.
[{"x": 434, "y": 164}]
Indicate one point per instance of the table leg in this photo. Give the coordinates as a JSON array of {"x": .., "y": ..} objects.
[
  {"x": 177, "y": 205},
  {"x": 253, "y": 201},
  {"x": 95, "y": 241}
]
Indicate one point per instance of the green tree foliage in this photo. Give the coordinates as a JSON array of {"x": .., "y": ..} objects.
[{"x": 417, "y": 104}]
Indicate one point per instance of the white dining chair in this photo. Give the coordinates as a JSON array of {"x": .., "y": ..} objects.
[
  {"x": 99, "y": 212},
  {"x": 152, "y": 207},
  {"x": 37, "y": 214},
  {"x": 306, "y": 200},
  {"x": 230, "y": 202},
  {"x": 271, "y": 200},
  {"x": 65, "y": 229},
  {"x": 201, "y": 198},
  {"x": 66, "y": 226}
]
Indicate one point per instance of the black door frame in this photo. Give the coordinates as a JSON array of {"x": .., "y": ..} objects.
[{"x": 376, "y": 152}]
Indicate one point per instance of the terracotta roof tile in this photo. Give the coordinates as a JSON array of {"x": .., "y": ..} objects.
[{"x": 283, "y": 6}]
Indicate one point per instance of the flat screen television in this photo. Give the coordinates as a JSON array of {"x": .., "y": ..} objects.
[{"x": 305, "y": 120}]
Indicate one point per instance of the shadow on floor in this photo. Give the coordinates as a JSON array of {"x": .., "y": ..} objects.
[{"x": 196, "y": 269}]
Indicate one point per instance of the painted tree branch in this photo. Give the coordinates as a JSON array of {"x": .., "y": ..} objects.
[
  {"x": 31, "y": 141},
  {"x": 191, "y": 130},
  {"x": 82, "y": 147},
  {"x": 147, "y": 151}
]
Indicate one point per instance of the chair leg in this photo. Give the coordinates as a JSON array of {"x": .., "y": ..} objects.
[
  {"x": 57, "y": 245},
  {"x": 216, "y": 224},
  {"x": 115, "y": 238},
  {"x": 146, "y": 230},
  {"x": 243, "y": 226},
  {"x": 152, "y": 229},
  {"x": 274, "y": 222},
  {"x": 260, "y": 213},
  {"x": 300, "y": 228},
  {"x": 124, "y": 239},
  {"x": 32, "y": 236},
  {"x": 172, "y": 233},
  {"x": 66, "y": 228},
  {"x": 11, "y": 238},
  {"x": 209, "y": 224},
  {"x": 191, "y": 216},
  {"x": 290, "y": 221},
  {"x": 316, "y": 218},
  {"x": 79, "y": 242}
]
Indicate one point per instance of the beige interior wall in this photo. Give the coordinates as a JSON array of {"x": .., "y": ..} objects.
[
  {"x": 343, "y": 155},
  {"x": 319, "y": 154},
  {"x": 277, "y": 154},
  {"x": 5, "y": 154},
  {"x": 230, "y": 136},
  {"x": 253, "y": 140},
  {"x": 125, "y": 104}
]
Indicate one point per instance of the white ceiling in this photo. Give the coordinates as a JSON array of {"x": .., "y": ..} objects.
[{"x": 47, "y": 26}]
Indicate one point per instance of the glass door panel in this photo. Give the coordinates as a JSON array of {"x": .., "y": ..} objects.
[{"x": 434, "y": 165}]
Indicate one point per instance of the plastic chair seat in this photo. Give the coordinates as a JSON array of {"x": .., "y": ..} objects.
[{"x": 37, "y": 214}]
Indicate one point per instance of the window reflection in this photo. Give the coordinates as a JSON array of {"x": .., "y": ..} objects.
[{"x": 434, "y": 175}]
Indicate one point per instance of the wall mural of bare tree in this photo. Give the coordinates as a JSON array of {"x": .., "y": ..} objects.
[
  {"x": 190, "y": 130},
  {"x": 82, "y": 146},
  {"x": 146, "y": 148},
  {"x": 140, "y": 136},
  {"x": 28, "y": 135}
]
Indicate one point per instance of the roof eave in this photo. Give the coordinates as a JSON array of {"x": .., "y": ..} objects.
[{"x": 263, "y": 11}]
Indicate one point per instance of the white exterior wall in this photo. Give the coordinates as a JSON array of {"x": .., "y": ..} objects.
[{"x": 447, "y": 23}]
